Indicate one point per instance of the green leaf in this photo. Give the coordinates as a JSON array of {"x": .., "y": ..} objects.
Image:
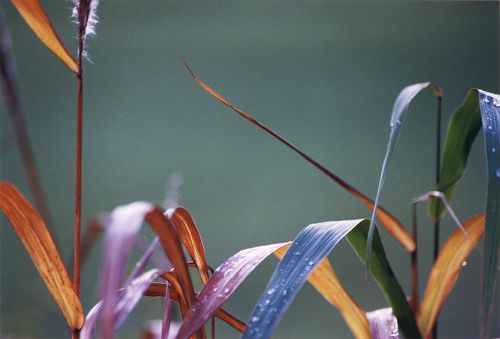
[
  {"x": 479, "y": 107},
  {"x": 385, "y": 278}
]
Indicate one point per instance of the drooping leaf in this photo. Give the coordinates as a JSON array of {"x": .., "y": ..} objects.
[
  {"x": 226, "y": 278},
  {"x": 385, "y": 278},
  {"x": 479, "y": 107},
  {"x": 126, "y": 300},
  {"x": 383, "y": 324},
  {"x": 165, "y": 323},
  {"x": 191, "y": 238},
  {"x": 399, "y": 110},
  {"x": 445, "y": 271},
  {"x": 393, "y": 226},
  {"x": 34, "y": 15},
  {"x": 35, "y": 237},
  {"x": 308, "y": 249},
  {"x": 324, "y": 279}
]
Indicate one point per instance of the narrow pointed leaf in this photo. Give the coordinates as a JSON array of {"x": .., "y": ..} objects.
[
  {"x": 35, "y": 237},
  {"x": 445, "y": 271},
  {"x": 191, "y": 238},
  {"x": 222, "y": 284},
  {"x": 324, "y": 279},
  {"x": 126, "y": 299},
  {"x": 397, "y": 118},
  {"x": 34, "y": 15},
  {"x": 479, "y": 107},
  {"x": 308, "y": 249},
  {"x": 165, "y": 323},
  {"x": 385, "y": 278},
  {"x": 393, "y": 226},
  {"x": 383, "y": 324}
]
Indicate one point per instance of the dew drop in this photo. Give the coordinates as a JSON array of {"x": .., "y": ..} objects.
[
  {"x": 271, "y": 291},
  {"x": 215, "y": 289},
  {"x": 310, "y": 262},
  {"x": 267, "y": 302},
  {"x": 490, "y": 127},
  {"x": 498, "y": 172},
  {"x": 226, "y": 290},
  {"x": 464, "y": 263},
  {"x": 486, "y": 100},
  {"x": 254, "y": 319},
  {"x": 493, "y": 149},
  {"x": 496, "y": 102}
]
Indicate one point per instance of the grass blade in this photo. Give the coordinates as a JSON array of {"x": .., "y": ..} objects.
[
  {"x": 308, "y": 249},
  {"x": 385, "y": 278},
  {"x": 445, "y": 270},
  {"x": 478, "y": 107},
  {"x": 397, "y": 118},
  {"x": 36, "y": 18},
  {"x": 191, "y": 238},
  {"x": 32, "y": 231},
  {"x": 393, "y": 226},
  {"x": 383, "y": 324},
  {"x": 324, "y": 279},
  {"x": 225, "y": 280}
]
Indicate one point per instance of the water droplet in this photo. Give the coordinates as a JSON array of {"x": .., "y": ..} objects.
[
  {"x": 226, "y": 290},
  {"x": 310, "y": 262},
  {"x": 398, "y": 122},
  {"x": 493, "y": 149},
  {"x": 486, "y": 100},
  {"x": 464, "y": 263},
  {"x": 490, "y": 127},
  {"x": 498, "y": 172},
  {"x": 271, "y": 291},
  {"x": 215, "y": 289},
  {"x": 254, "y": 319},
  {"x": 284, "y": 293},
  {"x": 267, "y": 302},
  {"x": 496, "y": 102}
]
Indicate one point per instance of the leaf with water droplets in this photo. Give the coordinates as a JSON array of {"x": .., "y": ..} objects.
[
  {"x": 324, "y": 279},
  {"x": 393, "y": 226},
  {"x": 34, "y": 15},
  {"x": 478, "y": 107},
  {"x": 226, "y": 278},
  {"x": 399, "y": 110},
  {"x": 42, "y": 250},
  {"x": 445, "y": 270}
]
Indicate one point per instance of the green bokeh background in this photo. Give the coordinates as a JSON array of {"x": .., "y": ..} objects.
[{"x": 322, "y": 73}]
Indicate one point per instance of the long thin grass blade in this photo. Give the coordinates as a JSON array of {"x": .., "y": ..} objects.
[
  {"x": 225, "y": 280},
  {"x": 385, "y": 278},
  {"x": 308, "y": 249},
  {"x": 34, "y": 15},
  {"x": 445, "y": 271},
  {"x": 191, "y": 238},
  {"x": 478, "y": 107},
  {"x": 324, "y": 279},
  {"x": 165, "y": 322},
  {"x": 126, "y": 298},
  {"x": 12, "y": 100},
  {"x": 35, "y": 237},
  {"x": 393, "y": 226},
  {"x": 399, "y": 110},
  {"x": 383, "y": 324}
]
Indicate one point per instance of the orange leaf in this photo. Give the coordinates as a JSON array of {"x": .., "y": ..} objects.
[
  {"x": 445, "y": 271},
  {"x": 393, "y": 226},
  {"x": 32, "y": 231},
  {"x": 34, "y": 15},
  {"x": 190, "y": 237},
  {"x": 324, "y": 279}
]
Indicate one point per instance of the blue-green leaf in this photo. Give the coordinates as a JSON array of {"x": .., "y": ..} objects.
[{"x": 398, "y": 115}]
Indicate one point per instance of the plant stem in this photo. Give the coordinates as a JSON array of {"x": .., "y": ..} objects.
[
  {"x": 414, "y": 262},
  {"x": 439, "y": 96}
]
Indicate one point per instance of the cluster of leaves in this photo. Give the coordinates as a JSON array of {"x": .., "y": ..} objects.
[{"x": 304, "y": 259}]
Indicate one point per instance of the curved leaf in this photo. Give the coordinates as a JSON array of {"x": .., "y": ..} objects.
[
  {"x": 191, "y": 238},
  {"x": 32, "y": 231},
  {"x": 34, "y": 15},
  {"x": 385, "y": 278},
  {"x": 393, "y": 226},
  {"x": 445, "y": 270},
  {"x": 479, "y": 107},
  {"x": 324, "y": 279},
  {"x": 397, "y": 118},
  {"x": 308, "y": 249},
  {"x": 222, "y": 284}
]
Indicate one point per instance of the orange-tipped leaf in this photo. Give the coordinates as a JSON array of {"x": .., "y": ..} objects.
[
  {"x": 445, "y": 271},
  {"x": 34, "y": 15},
  {"x": 35, "y": 237}
]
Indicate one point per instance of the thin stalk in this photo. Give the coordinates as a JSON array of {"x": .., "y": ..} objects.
[
  {"x": 437, "y": 221},
  {"x": 414, "y": 262}
]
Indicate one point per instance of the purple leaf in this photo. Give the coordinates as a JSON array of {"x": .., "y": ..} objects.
[
  {"x": 222, "y": 284},
  {"x": 383, "y": 324}
]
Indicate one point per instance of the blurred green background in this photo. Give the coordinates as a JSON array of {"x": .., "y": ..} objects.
[{"x": 322, "y": 73}]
